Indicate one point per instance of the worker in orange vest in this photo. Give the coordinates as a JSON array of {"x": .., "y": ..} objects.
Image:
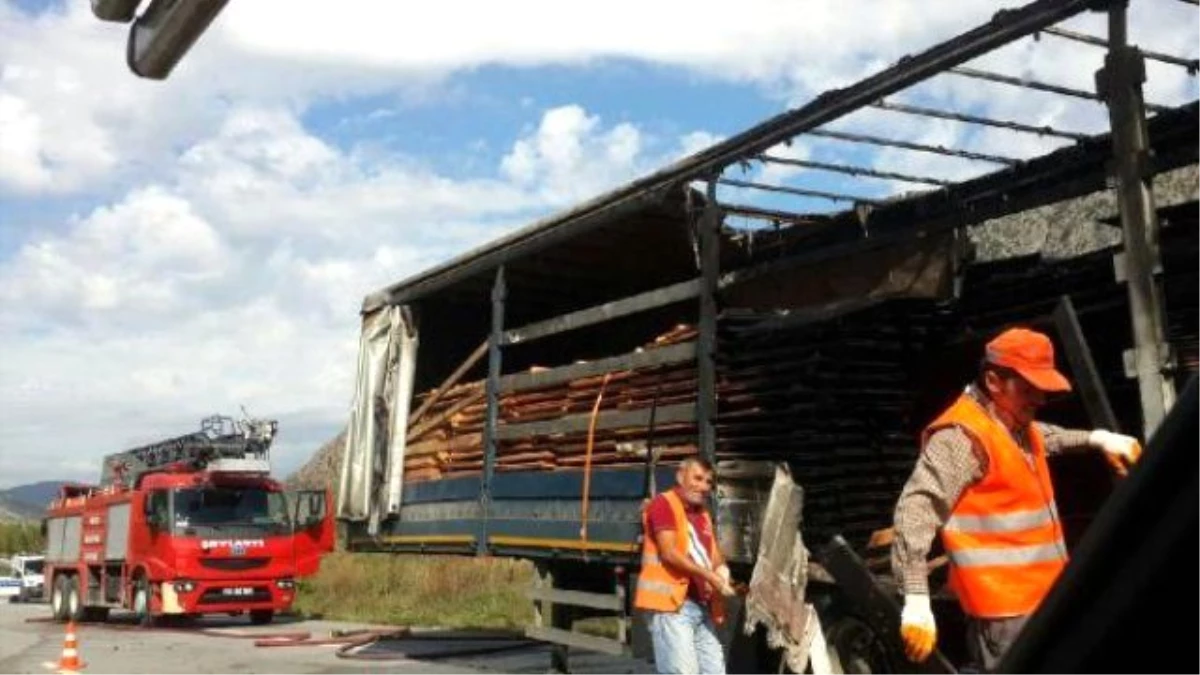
[
  {"x": 684, "y": 577},
  {"x": 982, "y": 480}
]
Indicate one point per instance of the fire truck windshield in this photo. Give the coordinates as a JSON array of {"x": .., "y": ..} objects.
[{"x": 210, "y": 510}]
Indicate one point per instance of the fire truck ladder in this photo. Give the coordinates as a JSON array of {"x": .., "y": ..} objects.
[{"x": 222, "y": 444}]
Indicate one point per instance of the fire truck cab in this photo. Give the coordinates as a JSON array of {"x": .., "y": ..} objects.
[{"x": 189, "y": 526}]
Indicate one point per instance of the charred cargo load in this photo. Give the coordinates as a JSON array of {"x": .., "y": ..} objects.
[{"x": 526, "y": 398}]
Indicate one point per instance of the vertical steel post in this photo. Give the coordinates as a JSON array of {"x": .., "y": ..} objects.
[
  {"x": 1119, "y": 83},
  {"x": 499, "y": 294},
  {"x": 706, "y": 344}
]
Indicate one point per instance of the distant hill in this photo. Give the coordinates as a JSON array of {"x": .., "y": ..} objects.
[
  {"x": 27, "y": 502},
  {"x": 323, "y": 469},
  {"x": 11, "y": 511},
  {"x": 37, "y": 495}
]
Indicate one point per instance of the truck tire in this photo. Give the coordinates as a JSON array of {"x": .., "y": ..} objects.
[
  {"x": 261, "y": 617},
  {"x": 859, "y": 649},
  {"x": 58, "y": 598},
  {"x": 141, "y": 602},
  {"x": 74, "y": 597}
]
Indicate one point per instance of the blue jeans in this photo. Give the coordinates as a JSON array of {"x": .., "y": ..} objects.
[{"x": 686, "y": 641}]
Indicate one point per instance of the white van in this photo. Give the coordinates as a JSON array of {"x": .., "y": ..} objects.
[
  {"x": 10, "y": 583},
  {"x": 27, "y": 567}
]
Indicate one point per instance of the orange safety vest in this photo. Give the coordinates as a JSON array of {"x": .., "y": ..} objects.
[
  {"x": 661, "y": 588},
  {"x": 1003, "y": 537}
]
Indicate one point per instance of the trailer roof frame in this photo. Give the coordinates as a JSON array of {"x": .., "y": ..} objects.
[{"x": 661, "y": 190}]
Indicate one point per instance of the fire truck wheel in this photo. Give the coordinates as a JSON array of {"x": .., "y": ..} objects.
[
  {"x": 141, "y": 602},
  {"x": 58, "y": 598},
  {"x": 75, "y": 608},
  {"x": 260, "y": 617}
]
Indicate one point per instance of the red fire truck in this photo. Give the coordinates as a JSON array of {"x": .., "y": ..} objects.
[{"x": 187, "y": 526}]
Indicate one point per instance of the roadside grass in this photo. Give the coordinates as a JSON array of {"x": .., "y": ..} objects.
[{"x": 430, "y": 590}]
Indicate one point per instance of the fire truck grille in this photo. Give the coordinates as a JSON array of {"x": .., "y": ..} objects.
[
  {"x": 234, "y": 564},
  {"x": 224, "y": 596}
]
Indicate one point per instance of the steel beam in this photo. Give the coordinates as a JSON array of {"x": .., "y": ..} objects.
[
  {"x": 1120, "y": 84},
  {"x": 658, "y": 356},
  {"x": 909, "y": 145},
  {"x": 771, "y": 214},
  {"x": 608, "y": 419},
  {"x": 1036, "y": 85},
  {"x": 706, "y": 340},
  {"x": 852, "y": 170},
  {"x": 803, "y": 192},
  {"x": 491, "y": 421},
  {"x": 605, "y": 312},
  {"x": 976, "y": 119},
  {"x": 1190, "y": 64}
]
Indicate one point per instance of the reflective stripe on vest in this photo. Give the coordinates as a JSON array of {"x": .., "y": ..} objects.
[
  {"x": 1003, "y": 535},
  {"x": 659, "y": 587},
  {"x": 1007, "y": 522},
  {"x": 1009, "y": 555}
]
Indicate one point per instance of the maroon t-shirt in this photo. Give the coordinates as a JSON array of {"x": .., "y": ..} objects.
[{"x": 660, "y": 517}]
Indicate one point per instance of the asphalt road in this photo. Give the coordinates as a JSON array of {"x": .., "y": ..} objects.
[{"x": 213, "y": 646}]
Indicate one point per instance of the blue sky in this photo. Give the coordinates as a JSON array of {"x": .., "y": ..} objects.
[{"x": 169, "y": 250}]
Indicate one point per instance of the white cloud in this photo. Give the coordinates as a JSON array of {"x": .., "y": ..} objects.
[
  {"x": 83, "y": 121},
  {"x": 145, "y": 255},
  {"x": 237, "y": 278}
]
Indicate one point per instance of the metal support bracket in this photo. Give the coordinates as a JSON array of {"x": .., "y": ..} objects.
[
  {"x": 490, "y": 436},
  {"x": 1119, "y": 84}
]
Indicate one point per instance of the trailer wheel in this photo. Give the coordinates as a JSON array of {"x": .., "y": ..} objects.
[
  {"x": 261, "y": 617},
  {"x": 141, "y": 602},
  {"x": 58, "y": 598},
  {"x": 75, "y": 609},
  {"x": 858, "y": 648}
]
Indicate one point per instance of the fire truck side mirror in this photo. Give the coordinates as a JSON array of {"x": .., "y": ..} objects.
[{"x": 163, "y": 33}]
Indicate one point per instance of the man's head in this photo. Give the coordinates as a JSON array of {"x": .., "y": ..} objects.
[
  {"x": 1018, "y": 371},
  {"x": 695, "y": 480}
]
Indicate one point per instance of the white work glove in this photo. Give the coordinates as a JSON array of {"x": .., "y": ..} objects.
[
  {"x": 1121, "y": 451},
  {"x": 918, "y": 630}
]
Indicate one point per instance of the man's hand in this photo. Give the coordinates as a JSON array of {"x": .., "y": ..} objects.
[
  {"x": 917, "y": 628},
  {"x": 1120, "y": 450},
  {"x": 719, "y": 580}
]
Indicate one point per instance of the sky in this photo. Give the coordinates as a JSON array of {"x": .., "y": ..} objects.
[{"x": 170, "y": 250}]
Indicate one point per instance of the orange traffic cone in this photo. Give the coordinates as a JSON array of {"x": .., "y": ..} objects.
[{"x": 69, "y": 662}]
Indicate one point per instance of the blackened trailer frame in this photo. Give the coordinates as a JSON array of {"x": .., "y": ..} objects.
[{"x": 1070, "y": 171}]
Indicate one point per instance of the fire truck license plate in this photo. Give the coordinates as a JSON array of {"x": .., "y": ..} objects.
[{"x": 237, "y": 590}]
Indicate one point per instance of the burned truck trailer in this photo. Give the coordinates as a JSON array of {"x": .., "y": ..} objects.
[{"x": 525, "y": 398}]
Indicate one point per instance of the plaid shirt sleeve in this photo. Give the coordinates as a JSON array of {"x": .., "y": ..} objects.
[
  {"x": 948, "y": 464},
  {"x": 1059, "y": 440}
]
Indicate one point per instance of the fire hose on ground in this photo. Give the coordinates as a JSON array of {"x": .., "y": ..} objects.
[{"x": 352, "y": 644}]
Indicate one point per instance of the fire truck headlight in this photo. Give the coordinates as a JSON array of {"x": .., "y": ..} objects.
[
  {"x": 185, "y": 586},
  {"x": 285, "y": 584}
]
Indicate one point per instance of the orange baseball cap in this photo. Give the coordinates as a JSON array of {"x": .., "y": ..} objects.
[{"x": 1030, "y": 354}]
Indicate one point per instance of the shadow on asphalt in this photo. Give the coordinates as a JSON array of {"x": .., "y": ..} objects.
[{"x": 496, "y": 652}]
